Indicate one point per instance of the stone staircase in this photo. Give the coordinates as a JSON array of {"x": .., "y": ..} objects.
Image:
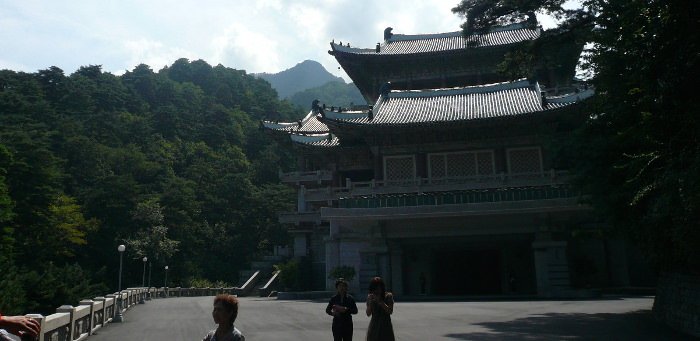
[{"x": 261, "y": 278}]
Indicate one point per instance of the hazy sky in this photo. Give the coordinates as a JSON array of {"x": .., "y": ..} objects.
[{"x": 256, "y": 35}]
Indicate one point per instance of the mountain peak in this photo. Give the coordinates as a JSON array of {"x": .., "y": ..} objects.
[{"x": 305, "y": 75}]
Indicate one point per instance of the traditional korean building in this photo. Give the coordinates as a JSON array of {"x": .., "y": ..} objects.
[{"x": 447, "y": 183}]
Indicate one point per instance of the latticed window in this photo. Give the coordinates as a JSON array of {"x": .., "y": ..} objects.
[
  {"x": 437, "y": 166},
  {"x": 398, "y": 168},
  {"x": 461, "y": 164},
  {"x": 484, "y": 163},
  {"x": 524, "y": 161}
]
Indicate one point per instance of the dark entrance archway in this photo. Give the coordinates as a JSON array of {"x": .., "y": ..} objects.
[{"x": 467, "y": 272}]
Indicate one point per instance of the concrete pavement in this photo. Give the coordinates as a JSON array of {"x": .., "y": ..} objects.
[{"x": 189, "y": 318}]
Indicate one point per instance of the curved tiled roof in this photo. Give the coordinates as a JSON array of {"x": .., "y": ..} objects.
[
  {"x": 308, "y": 131},
  {"x": 458, "y": 104},
  {"x": 455, "y": 104},
  {"x": 426, "y": 43},
  {"x": 308, "y": 125},
  {"x": 317, "y": 140}
]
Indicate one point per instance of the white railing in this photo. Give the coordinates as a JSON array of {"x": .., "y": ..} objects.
[
  {"x": 422, "y": 185},
  {"x": 77, "y": 323},
  {"x": 317, "y": 175},
  {"x": 298, "y": 217}
]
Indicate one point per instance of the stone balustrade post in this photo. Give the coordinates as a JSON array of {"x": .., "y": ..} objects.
[
  {"x": 82, "y": 321},
  {"x": 92, "y": 320},
  {"x": 71, "y": 320},
  {"x": 110, "y": 307},
  {"x": 39, "y": 318},
  {"x": 100, "y": 313}
]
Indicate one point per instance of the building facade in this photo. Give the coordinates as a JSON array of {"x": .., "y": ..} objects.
[{"x": 448, "y": 183}]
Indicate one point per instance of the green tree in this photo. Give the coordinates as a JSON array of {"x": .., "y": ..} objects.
[
  {"x": 152, "y": 238},
  {"x": 80, "y": 154},
  {"x": 638, "y": 154}
]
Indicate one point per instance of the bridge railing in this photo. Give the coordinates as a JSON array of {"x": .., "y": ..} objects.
[{"x": 77, "y": 323}]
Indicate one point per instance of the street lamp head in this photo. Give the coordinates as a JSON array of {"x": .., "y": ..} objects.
[
  {"x": 121, "y": 248},
  {"x": 145, "y": 259},
  {"x": 166, "y": 267}
]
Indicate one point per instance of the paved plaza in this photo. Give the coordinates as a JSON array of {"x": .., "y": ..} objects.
[{"x": 189, "y": 318}]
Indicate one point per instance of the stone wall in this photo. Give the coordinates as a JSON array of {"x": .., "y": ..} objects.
[{"x": 677, "y": 302}]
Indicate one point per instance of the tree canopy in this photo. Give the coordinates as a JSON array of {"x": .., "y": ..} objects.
[
  {"x": 638, "y": 154},
  {"x": 171, "y": 163}
]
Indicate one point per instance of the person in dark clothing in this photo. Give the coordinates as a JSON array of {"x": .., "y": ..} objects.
[{"x": 341, "y": 307}]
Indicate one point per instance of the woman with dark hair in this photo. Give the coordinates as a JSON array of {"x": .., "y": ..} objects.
[
  {"x": 224, "y": 314},
  {"x": 380, "y": 305}
]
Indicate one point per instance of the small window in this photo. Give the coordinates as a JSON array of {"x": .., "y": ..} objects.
[
  {"x": 460, "y": 165},
  {"x": 526, "y": 161},
  {"x": 399, "y": 168}
]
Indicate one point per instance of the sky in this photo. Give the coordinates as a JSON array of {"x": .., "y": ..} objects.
[{"x": 256, "y": 36}]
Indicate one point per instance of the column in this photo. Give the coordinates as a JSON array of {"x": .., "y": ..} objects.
[
  {"x": 396, "y": 266},
  {"x": 300, "y": 246},
  {"x": 551, "y": 266},
  {"x": 301, "y": 201},
  {"x": 332, "y": 252},
  {"x": 618, "y": 269}
]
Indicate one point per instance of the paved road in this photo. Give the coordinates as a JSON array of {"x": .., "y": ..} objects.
[{"x": 189, "y": 318}]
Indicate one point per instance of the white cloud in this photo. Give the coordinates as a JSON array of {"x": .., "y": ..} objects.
[
  {"x": 260, "y": 36},
  {"x": 11, "y": 65},
  {"x": 310, "y": 21},
  {"x": 152, "y": 53},
  {"x": 241, "y": 45}
]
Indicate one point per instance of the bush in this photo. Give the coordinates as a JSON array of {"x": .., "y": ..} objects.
[
  {"x": 205, "y": 283},
  {"x": 343, "y": 271},
  {"x": 289, "y": 276}
]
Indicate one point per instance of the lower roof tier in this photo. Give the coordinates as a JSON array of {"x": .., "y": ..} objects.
[{"x": 415, "y": 108}]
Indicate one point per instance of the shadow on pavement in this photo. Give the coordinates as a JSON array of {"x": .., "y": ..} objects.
[{"x": 637, "y": 325}]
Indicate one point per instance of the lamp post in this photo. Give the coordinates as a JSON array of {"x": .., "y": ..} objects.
[
  {"x": 165, "y": 283},
  {"x": 119, "y": 317},
  {"x": 150, "y": 268},
  {"x": 143, "y": 279}
]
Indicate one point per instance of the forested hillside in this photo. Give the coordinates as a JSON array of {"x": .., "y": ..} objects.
[{"x": 170, "y": 163}]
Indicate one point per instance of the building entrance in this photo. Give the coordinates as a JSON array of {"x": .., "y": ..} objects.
[{"x": 467, "y": 272}]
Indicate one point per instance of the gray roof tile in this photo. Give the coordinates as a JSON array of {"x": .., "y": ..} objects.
[
  {"x": 455, "y": 104},
  {"x": 426, "y": 43},
  {"x": 318, "y": 140},
  {"x": 308, "y": 125}
]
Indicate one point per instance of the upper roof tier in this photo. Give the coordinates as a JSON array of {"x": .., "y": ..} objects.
[
  {"x": 443, "y": 60},
  {"x": 398, "y": 44}
]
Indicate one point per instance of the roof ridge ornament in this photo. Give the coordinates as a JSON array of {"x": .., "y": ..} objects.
[
  {"x": 388, "y": 34},
  {"x": 317, "y": 109},
  {"x": 385, "y": 89}
]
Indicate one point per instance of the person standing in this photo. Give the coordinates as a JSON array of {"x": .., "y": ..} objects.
[
  {"x": 224, "y": 314},
  {"x": 341, "y": 307},
  {"x": 380, "y": 305}
]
